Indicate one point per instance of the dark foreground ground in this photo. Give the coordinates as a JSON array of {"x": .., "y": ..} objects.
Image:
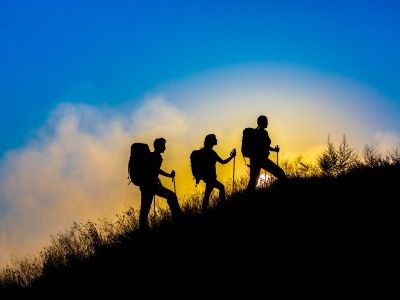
[{"x": 316, "y": 237}]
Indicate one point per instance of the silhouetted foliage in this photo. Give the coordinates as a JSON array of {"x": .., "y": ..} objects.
[
  {"x": 334, "y": 162},
  {"x": 347, "y": 157},
  {"x": 298, "y": 168},
  {"x": 78, "y": 243},
  {"x": 372, "y": 158},
  {"x": 394, "y": 156},
  {"x": 328, "y": 160}
]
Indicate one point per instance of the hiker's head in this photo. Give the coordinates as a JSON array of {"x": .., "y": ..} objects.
[
  {"x": 210, "y": 141},
  {"x": 262, "y": 122},
  {"x": 159, "y": 145}
]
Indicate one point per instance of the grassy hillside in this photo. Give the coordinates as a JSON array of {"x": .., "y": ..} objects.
[{"x": 305, "y": 234}]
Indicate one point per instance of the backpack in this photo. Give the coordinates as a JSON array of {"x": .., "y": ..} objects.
[
  {"x": 249, "y": 142},
  {"x": 138, "y": 163},
  {"x": 197, "y": 158}
]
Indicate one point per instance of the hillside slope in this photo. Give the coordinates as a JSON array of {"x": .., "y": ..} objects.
[{"x": 319, "y": 233}]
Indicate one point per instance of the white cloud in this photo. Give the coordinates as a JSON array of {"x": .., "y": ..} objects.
[{"x": 75, "y": 171}]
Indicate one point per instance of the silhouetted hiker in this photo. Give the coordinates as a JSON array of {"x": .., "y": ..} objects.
[
  {"x": 203, "y": 163},
  {"x": 256, "y": 145},
  {"x": 152, "y": 185}
]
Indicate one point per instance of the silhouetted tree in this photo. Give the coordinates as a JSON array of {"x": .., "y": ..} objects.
[
  {"x": 347, "y": 157},
  {"x": 328, "y": 160},
  {"x": 371, "y": 157},
  {"x": 394, "y": 156},
  {"x": 334, "y": 162}
]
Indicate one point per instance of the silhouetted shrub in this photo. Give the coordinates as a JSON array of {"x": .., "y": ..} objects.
[
  {"x": 334, "y": 162},
  {"x": 76, "y": 244},
  {"x": 372, "y": 158},
  {"x": 299, "y": 168},
  {"x": 394, "y": 156}
]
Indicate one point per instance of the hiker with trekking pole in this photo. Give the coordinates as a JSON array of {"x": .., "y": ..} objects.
[
  {"x": 256, "y": 145},
  {"x": 203, "y": 163},
  {"x": 144, "y": 169}
]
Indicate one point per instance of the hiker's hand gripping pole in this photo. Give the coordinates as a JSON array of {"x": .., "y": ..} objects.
[{"x": 277, "y": 154}]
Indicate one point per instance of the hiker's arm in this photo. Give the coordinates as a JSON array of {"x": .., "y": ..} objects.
[
  {"x": 163, "y": 173},
  {"x": 232, "y": 155},
  {"x": 225, "y": 161}
]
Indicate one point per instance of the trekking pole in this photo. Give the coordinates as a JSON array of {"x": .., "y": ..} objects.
[
  {"x": 233, "y": 180},
  {"x": 233, "y": 153},
  {"x": 173, "y": 180},
  {"x": 277, "y": 157}
]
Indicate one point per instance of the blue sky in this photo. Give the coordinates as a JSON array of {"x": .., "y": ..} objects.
[{"x": 107, "y": 52}]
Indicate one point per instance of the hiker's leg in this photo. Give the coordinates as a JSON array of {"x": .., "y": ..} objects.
[
  {"x": 254, "y": 175},
  {"x": 274, "y": 169},
  {"x": 207, "y": 193},
  {"x": 221, "y": 189},
  {"x": 172, "y": 200},
  {"x": 145, "y": 205}
]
